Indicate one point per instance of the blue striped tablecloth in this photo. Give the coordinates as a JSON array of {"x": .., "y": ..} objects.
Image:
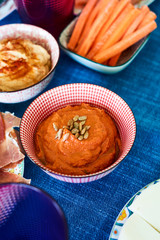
[{"x": 92, "y": 208}]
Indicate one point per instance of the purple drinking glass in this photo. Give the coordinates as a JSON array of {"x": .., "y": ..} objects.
[
  {"x": 52, "y": 15},
  {"x": 29, "y": 213}
]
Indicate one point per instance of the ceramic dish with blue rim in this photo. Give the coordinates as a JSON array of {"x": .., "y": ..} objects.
[
  {"x": 126, "y": 58},
  {"x": 125, "y": 213}
]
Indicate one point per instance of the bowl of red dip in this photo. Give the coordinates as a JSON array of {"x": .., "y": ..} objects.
[{"x": 78, "y": 132}]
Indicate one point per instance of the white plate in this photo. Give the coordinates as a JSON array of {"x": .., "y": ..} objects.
[
  {"x": 124, "y": 214},
  {"x": 19, "y": 169}
]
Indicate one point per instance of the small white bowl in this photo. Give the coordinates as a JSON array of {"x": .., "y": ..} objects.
[
  {"x": 75, "y": 94},
  {"x": 126, "y": 58},
  {"x": 41, "y": 37}
]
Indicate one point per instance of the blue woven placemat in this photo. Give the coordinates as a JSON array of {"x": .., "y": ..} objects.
[{"x": 92, "y": 208}]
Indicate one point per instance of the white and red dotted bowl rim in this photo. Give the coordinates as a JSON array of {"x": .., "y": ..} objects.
[{"x": 74, "y": 94}]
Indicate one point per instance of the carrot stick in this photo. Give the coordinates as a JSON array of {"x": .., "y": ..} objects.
[
  {"x": 113, "y": 61},
  {"x": 116, "y": 36},
  {"x": 143, "y": 11},
  {"x": 148, "y": 18},
  {"x": 125, "y": 43},
  {"x": 100, "y": 5},
  {"x": 80, "y": 24},
  {"x": 118, "y": 9},
  {"x": 113, "y": 28},
  {"x": 98, "y": 23}
]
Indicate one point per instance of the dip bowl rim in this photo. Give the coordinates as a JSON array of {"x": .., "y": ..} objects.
[{"x": 78, "y": 178}]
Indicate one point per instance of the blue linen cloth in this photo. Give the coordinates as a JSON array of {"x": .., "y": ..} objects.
[{"x": 92, "y": 208}]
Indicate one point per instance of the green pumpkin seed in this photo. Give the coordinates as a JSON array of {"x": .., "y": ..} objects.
[
  {"x": 76, "y": 125},
  {"x": 74, "y": 130},
  {"x": 83, "y": 122},
  {"x": 71, "y": 126},
  {"x": 86, "y": 135},
  {"x": 83, "y": 130},
  {"x": 88, "y": 127},
  {"x": 80, "y": 126},
  {"x": 82, "y": 118},
  {"x": 76, "y": 135},
  {"x": 70, "y": 122},
  {"x": 80, "y": 138},
  {"x": 76, "y": 118}
]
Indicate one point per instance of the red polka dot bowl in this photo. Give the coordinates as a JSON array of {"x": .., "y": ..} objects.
[
  {"x": 38, "y": 36},
  {"x": 75, "y": 94}
]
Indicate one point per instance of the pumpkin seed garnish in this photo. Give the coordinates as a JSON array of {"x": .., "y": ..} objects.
[
  {"x": 59, "y": 134},
  {"x": 80, "y": 137},
  {"x": 70, "y": 122},
  {"x": 74, "y": 130},
  {"x": 76, "y": 125},
  {"x": 80, "y": 126},
  {"x": 83, "y": 131},
  {"x": 55, "y": 127},
  {"x": 76, "y": 135},
  {"x": 82, "y": 118},
  {"x": 71, "y": 126},
  {"x": 65, "y": 137},
  {"x": 76, "y": 118},
  {"x": 83, "y": 122},
  {"x": 86, "y": 135}
]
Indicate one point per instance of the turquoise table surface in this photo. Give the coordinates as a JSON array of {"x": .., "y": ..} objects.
[{"x": 92, "y": 208}]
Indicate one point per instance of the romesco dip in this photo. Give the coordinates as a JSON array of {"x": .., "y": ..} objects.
[{"x": 77, "y": 140}]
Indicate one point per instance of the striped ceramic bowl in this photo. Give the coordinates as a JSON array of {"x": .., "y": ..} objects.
[
  {"x": 74, "y": 94},
  {"x": 41, "y": 37}
]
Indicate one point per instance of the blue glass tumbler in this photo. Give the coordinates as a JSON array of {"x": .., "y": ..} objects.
[{"x": 28, "y": 213}]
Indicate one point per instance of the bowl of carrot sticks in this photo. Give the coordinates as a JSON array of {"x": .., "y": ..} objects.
[{"x": 108, "y": 34}]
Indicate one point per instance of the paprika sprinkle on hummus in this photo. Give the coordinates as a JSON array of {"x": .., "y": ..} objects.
[{"x": 77, "y": 140}]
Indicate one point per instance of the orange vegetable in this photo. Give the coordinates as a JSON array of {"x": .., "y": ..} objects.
[
  {"x": 105, "y": 28},
  {"x": 80, "y": 24},
  {"x": 125, "y": 43},
  {"x": 116, "y": 36},
  {"x": 97, "y": 25},
  {"x": 144, "y": 10},
  {"x": 118, "y": 9},
  {"x": 111, "y": 31},
  {"x": 98, "y": 8},
  {"x": 148, "y": 18}
]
